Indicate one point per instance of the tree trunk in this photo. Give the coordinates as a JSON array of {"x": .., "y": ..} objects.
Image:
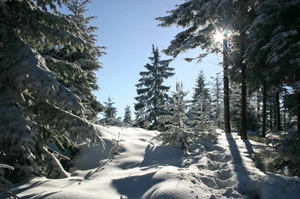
[
  {"x": 277, "y": 109},
  {"x": 298, "y": 112},
  {"x": 218, "y": 102},
  {"x": 285, "y": 110},
  {"x": 271, "y": 115},
  {"x": 264, "y": 109},
  {"x": 243, "y": 130},
  {"x": 227, "y": 127},
  {"x": 258, "y": 101}
]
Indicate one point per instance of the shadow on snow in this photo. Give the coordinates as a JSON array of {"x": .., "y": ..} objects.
[{"x": 245, "y": 185}]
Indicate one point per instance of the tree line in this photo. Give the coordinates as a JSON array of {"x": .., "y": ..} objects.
[
  {"x": 157, "y": 107},
  {"x": 261, "y": 55},
  {"x": 260, "y": 49}
]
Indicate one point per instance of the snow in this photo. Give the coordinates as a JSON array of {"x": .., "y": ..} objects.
[{"x": 134, "y": 166}]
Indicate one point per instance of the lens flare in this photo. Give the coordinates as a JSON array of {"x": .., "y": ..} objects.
[{"x": 219, "y": 36}]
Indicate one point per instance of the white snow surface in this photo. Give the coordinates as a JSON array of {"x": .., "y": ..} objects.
[{"x": 134, "y": 166}]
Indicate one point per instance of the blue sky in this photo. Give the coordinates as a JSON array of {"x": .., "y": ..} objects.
[{"x": 128, "y": 29}]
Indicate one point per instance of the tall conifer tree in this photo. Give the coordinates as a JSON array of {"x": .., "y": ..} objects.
[
  {"x": 152, "y": 93},
  {"x": 201, "y": 93},
  {"x": 38, "y": 107},
  {"x": 216, "y": 96},
  {"x": 87, "y": 61},
  {"x": 200, "y": 111},
  {"x": 201, "y": 20},
  {"x": 274, "y": 49}
]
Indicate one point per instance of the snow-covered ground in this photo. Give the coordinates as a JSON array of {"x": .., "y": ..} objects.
[{"x": 134, "y": 166}]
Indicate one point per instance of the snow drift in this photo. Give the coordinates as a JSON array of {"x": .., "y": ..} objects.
[{"x": 134, "y": 166}]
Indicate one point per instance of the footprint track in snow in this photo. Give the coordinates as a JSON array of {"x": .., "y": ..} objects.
[
  {"x": 214, "y": 165},
  {"x": 220, "y": 157},
  {"x": 223, "y": 174},
  {"x": 206, "y": 179}
]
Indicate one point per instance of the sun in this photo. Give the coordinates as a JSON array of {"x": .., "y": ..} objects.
[{"x": 219, "y": 36}]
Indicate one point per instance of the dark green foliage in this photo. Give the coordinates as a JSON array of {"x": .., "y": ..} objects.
[
  {"x": 110, "y": 111},
  {"x": 110, "y": 114},
  {"x": 86, "y": 60},
  {"x": 201, "y": 21},
  {"x": 40, "y": 104},
  {"x": 152, "y": 94},
  {"x": 201, "y": 91},
  {"x": 261, "y": 48},
  {"x": 273, "y": 53},
  {"x": 127, "y": 116},
  {"x": 180, "y": 138},
  {"x": 178, "y": 133},
  {"x": 195, "y": 18},
  {"x": 176, "y": 109},
  {"x": 216, "y": 102},
  {"x": 200, "y": 113}
]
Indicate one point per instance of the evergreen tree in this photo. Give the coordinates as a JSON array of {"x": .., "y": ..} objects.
[
  {"x": 141, "y": 112},
  {"x": 39, "y": 110},
  {"x": 86, "y": 61},
  {"x": 110, "y": 114},
  {"x": 201, "y": 96},
  {"x": 292, "y": 99},
  {"x": 177, "y": 108},
  {"x": 216, "y": 96},
  {"x": 235, "y": 111},
  {"x": 226, "y": 89},
  {"x": 242, "y": 11},
  {"x": 178, "y": 132},
  {"x": 127, "y": 116},
  {"x": 273, "y": 50},
  {"x": 152, "y": 93},
  {"x": 200, "y": 112},
  {"x": 261, "y": 47},
  {"x": 110, "y": 111},
  {"x": 201, "y": 21}
]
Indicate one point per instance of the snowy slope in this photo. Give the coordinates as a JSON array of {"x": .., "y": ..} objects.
[{"x": 134, "y": 166}]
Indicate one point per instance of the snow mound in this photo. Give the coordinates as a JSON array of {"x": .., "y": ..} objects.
[{"x": 134, "y": 166}]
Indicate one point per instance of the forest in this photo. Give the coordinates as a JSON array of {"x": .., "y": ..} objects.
[{"x": 48, "y": 108}]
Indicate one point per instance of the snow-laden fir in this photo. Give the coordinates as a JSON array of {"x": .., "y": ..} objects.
[{"x": 133, "y": 165}]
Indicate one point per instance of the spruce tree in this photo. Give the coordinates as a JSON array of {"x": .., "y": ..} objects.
[
  {"x": 200, "y": 111},
  {"x": 216, "y": 96},
  {"x": 152, "y": 94},
  {"x": 177, "y": 108},
  {"x": 86, "y": 60},
  {"x": 263, "y": 39},
  {"x": 110, "y": 114},
  {"x": 201, "y": 21},
  {"x": 242, "y": 19},
  {"x": 178, "y": 133},
  {"x": 201, "y": 94},
  {"x": 38, "y": 109},
  {"x": 127, "y": 116},
  {"x": 141, "y": 112},
  {"x": 110, "y": 110},
  {"x": 274, "y": 49}
]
